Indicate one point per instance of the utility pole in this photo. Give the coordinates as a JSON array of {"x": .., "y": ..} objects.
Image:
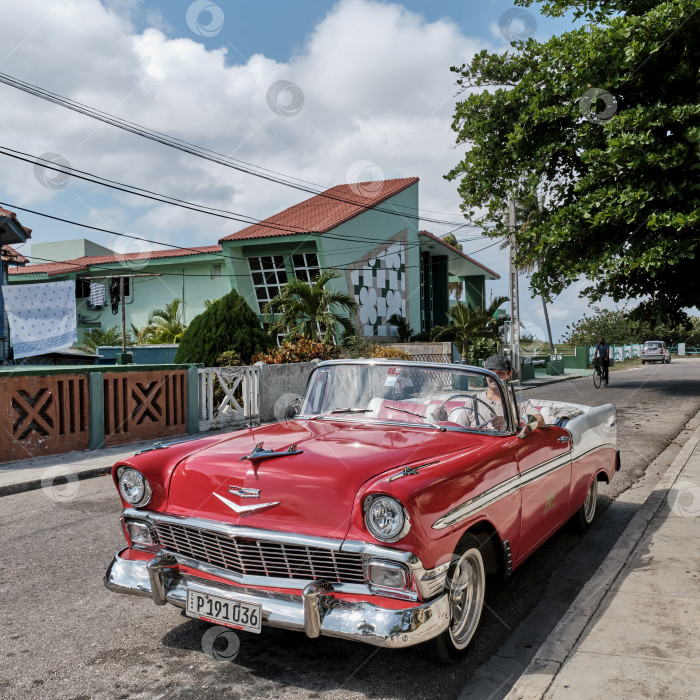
[{"x": 514, "y": 297}]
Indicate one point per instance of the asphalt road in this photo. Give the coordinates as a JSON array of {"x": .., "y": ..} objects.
[{"x": 65, "y": 636}]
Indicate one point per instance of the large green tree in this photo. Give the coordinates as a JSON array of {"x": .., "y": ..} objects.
[
  {"x": 310, "y": 310},
  {"x": 602, "y": 126},
  {"x": 228, "y": 324}
]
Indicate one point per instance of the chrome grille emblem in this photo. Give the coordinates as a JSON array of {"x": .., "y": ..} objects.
[{"x": 244, "y": 493}]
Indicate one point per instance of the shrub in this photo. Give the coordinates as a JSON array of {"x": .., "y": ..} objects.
[
  {"x": 228, "y": 324},
  {"x": 298, "y": 350},
  {"x": 229, "y": 358},
  {"x": 387, "y": 353}
]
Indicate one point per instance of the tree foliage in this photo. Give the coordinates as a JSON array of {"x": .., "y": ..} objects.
[
  {"x": 298, "y": 350},
  {"x": 620, "y": 327},
  {"x": 110, "y": 337},
  {"x": 306, "y": 309},
  {"x": 228, "y": 324},
  {"x": 600, "y": 126},
  {"x": 164, "y": 325},
  {"x": 402, "y": 327},
  {"x": 470, "y": 325}
]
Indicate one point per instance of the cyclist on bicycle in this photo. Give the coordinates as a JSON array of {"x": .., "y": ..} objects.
[{"x": 602, "y": 350}]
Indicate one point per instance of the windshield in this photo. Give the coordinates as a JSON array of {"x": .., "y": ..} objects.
[{"x": 428, "y": 395}]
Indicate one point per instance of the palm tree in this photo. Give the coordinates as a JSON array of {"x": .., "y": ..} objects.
[
  {"x": 165, "y": 325},
  {"x": 305, "y": 308},
  {"x": 403, "y": 328},
  {"x": 470, "y": 324},
  {"x": 110, "y": 337}
]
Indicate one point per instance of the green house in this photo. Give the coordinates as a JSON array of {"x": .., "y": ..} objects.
[{"x": 367, "y": 231}]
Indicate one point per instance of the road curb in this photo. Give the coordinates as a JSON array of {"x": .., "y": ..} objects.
[
  {"x": 35, "y": 484},
  {"x": 551, "y": 656}
]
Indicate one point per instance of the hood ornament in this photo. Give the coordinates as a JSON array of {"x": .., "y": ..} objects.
[
  {"x": 240, "y": 510},
  {"x": 259, "y": 453}
]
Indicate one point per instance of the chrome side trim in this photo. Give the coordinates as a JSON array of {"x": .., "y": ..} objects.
[
  {"x": 317, "y": 611},
  {"x": 475, "y": 504},
  {"x": 515, "y": 483}
]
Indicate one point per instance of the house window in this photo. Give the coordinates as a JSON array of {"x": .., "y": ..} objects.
[
  {"x": 216, "y": 271},
  {"x": 82, "y": 288},
  {"x": 306, "y": 266},
  {"x": 269, "y": 274}
]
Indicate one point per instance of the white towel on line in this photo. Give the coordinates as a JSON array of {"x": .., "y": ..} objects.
[{"x": 41, "y": 317}]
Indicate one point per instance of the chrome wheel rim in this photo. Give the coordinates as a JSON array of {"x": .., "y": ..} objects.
[
  {"x": 466, "y": 597},
  {"x": 590, "y": 503}
]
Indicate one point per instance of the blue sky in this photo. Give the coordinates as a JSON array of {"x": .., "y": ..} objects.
[
  {"x": 375, "y": 100},
  {"x": 279, "y": 28}
]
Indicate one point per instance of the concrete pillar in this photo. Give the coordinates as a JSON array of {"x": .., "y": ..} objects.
[
  {"x": 192, "y": 400},
  {"x": 96, "y": 393}
]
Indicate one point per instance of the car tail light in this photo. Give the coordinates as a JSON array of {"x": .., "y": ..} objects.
[{"x": 661, "y": 351}]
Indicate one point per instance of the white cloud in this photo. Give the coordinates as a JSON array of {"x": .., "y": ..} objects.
[{"x": 376, "y": 88}]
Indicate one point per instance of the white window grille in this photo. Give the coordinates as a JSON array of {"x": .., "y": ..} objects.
[
  {"x": 306, "y": 266},
  {"x": 269, "y": 274}
]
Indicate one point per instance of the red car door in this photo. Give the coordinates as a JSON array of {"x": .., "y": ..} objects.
[{"x": 544, "y": 465}]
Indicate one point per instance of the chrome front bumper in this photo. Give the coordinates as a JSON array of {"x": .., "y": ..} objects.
[{"x": 317, "y": 611}]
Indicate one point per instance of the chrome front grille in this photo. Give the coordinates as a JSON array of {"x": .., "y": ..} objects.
[{"x": 253, "y": 557}]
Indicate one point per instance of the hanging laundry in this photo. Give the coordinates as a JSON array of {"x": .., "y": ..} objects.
[
  {"x": 114, "y": 295},
  {"x": 41, "y": 317},
  {"x": 98, "y": 295}
]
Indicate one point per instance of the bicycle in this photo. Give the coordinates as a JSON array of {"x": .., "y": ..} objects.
[{"x": 597, "y": 372}]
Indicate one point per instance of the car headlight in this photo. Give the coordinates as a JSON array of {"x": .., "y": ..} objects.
[
  {"x": 134, "y": 487},
  {"x": 386, "y": 518}
]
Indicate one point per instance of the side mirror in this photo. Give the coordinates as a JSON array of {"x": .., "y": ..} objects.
[
  {"x": 531, "y": 424},
  {"x": 293, "y": 409}
]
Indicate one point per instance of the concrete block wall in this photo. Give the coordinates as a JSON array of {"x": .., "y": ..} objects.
[{"x": 280, "y": 385}]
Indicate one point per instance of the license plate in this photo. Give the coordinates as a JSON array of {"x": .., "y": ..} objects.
[{"x": 224, "y": 611}]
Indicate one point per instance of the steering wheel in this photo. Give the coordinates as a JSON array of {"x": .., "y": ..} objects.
[{"x": 441, "y": 408}]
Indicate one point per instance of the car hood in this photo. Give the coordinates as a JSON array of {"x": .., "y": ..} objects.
[{"x": 309, "y": 492}]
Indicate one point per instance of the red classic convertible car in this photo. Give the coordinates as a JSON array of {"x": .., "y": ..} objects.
[{"x": 375, "y": 514}]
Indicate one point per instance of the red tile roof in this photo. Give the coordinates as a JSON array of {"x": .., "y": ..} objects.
[
  {"x": 84, "y": 263},
  {"x": 427, "y": 234},
  {"x": 325, "y": 211},
  {"x": 13, "y": 216},
  {"x": 10, "y": 256}
]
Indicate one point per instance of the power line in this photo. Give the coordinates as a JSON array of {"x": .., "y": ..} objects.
[{"x": 200, "y": 152}]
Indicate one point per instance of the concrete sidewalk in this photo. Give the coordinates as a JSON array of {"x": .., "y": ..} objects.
[
  {"x": 632, "y": 632},
  {"x": 54, "y": 470}
]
